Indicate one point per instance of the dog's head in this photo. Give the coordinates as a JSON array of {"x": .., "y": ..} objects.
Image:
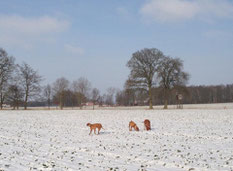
[
  {"x": 146, "y": 121},
  {"x": 88, "y": 124},
  {"x": 136, "y": 128}
]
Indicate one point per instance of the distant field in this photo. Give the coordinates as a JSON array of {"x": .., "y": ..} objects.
[{"x": 199, "y": 137}]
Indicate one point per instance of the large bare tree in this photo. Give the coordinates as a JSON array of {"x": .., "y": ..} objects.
[
  {"x": 171, "y": 76},
  {"x": 59, "y": 87},
  {"x": 6, "y": 69},
  {"x": 95, "y": 96},
  {"x": 143, "y": 66},
  {"x": 82, "y": 88},
  {"x": 30, "y": 81}
]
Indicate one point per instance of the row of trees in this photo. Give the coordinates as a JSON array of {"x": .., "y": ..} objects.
[
  {"x": 191, "y": 95},
  {"x": 18, "y": 83},
  {"x": 77, "y": 93},
  {"x": 154, "y": 79},
  {"x": 147, "y": 67},
  {"x": 209, "y": 94}
]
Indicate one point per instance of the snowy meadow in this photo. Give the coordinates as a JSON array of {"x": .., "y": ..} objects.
[{"x": 188, "y": 139}]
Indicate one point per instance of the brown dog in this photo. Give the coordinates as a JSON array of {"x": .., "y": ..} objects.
[
  {"x": 147, "y": 124},
  {"x": 94, "y": 126},
  {"x": 133, "y": 125}
]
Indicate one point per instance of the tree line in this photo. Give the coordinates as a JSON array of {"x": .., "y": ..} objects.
[
  {"x": 154, "y": 79},
  {"x": 191, "y": 95},
  {"x": 64, "y": 93},
  {"x": 20, "y": 86}
]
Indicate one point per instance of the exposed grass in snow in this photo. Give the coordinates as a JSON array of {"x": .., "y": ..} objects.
[{"x": 58, "y": 140}]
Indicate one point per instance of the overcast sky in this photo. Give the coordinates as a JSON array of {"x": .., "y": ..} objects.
[{"x": 96, "y": 38}]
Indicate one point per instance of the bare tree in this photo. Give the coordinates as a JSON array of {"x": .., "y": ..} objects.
[
  {"x": 95, "y": 96},
  {"x": 6, "y": 69},
  {"x": 59, "y": 88},
  {"x": 15, "y": 95},
  {"x": 143, "y": 67},
  {"x": 15, "y": 91},
  {"x": 30, "y": 81},
  {"x": 48, "y": 94},
  {"x": 171, "y": 76},
  {"x": 81, "y": 87}
]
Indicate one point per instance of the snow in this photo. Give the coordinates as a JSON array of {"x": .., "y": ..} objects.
[{"x": 188, "y": 139}]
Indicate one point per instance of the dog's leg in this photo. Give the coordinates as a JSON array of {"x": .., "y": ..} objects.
[
  {"x": 90, "y": 131},
  {"x": 95, "y": 130}
]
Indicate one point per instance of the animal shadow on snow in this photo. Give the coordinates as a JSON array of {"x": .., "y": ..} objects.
[
  {"x": 105, "y": 133},
  {"x": 152, "y": 130}
]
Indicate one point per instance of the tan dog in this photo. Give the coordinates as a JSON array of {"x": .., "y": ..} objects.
[
  {"x": 133, "y": 125},
  {"x": 94, "y": 126},
  {"x": 147, "y": 124}
]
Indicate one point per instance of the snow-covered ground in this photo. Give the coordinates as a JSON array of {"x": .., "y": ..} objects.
[{"x": 188, "y": 139}]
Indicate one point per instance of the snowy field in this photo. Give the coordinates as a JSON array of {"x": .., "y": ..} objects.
[{"x": 188, "y": 139}]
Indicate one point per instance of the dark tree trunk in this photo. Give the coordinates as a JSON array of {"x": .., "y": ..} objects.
[
  {"x": 1, "y": 103},
  {"x": 165, "y": 98},
  {"x": 61, "y": 101},
  {"x": 48, "y": 103},
  {"x": 165, "y": 103},
  {"x": 150, "y": 98},
  {"x": 26, "y": 102}
]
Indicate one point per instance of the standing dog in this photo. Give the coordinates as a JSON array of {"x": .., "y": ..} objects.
[
  {"x": 94, "y": 126},
  {"x": 147, "y": 124},
  {"x": 133, "y": 125}
]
